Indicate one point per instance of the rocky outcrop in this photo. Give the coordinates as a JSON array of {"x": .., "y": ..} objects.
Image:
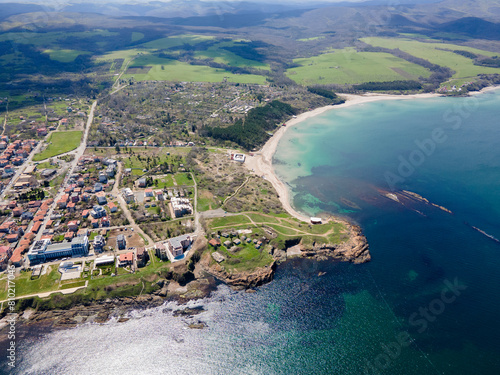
[
  {"x": 355, "y": 249},
  {"x": 243, "y": 280}
]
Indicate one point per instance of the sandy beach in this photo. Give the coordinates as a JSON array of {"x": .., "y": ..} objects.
[{"x": 261, "y": 162}]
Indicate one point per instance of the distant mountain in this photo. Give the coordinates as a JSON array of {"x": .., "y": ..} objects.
[
  {"x": 11, "y": 9},
  {"x": 472, "y": 27}
]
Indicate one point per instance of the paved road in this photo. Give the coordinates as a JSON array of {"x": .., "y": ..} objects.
[
  {"x": 124, "y": 207},
  {"x": 78, "y": 153}
]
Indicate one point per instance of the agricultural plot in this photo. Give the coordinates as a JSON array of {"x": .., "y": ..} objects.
[
  {"x": 440, "y": 54},
  {"x": 348, "y": 66},
  {"x": 218, "y": 54},
  {"x": 171, "y": 70},
  {"x": 59, "y": 143}
]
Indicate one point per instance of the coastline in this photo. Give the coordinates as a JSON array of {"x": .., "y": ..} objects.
[{"x": 260, "y": 162}]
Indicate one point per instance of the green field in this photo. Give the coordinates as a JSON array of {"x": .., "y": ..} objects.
[
  {"x": 171, "y": 70},
  {"x": 434, "y": 52},
  {"x": 136, "y": 36},
  {"x": 25, "y": 285},
  {"x": 223, "y": 56},
  {"x": 183, "y": 179},
  {"x": 59, "y": 143},
  {"x": 64, "y": 55},
  {"x": 247, "y": 259},
  {"x": 348, "y": 66}
]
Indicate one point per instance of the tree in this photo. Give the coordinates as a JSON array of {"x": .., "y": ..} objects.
[{"x": 117, "y": 148}]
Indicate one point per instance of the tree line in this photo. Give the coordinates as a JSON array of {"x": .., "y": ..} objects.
[{"x": 252, "y": 131}]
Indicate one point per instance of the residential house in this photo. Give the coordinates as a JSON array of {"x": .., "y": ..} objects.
[
  {"x": 82, "y": 232},
  {"x": 101, "y": 198},
  {"x": 41, "y": 132},
  {"x": 13, "y": 237},
  {"x": 159, "y": 195},
  {"x": 126, "y": 259},
  {"x": 121, "y": 243},
  {"x": 105, "y": 222},
  {"x": 36, "y": 227},
  {"x": 98, "y": 212},
  {"x": 177, "y": 245},
  {"x": 142, "y": 256},
  {"x": 112, "y": 207},
  {"x": 73, "y": 225},
  {"x": 71, "y": 207},
  {"x": 128, "y": 195},
  {"x": 99, "y": 243},
  {"x": 141, "y": 182}
]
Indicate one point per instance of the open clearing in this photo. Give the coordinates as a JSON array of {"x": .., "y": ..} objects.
[
  {"x": 59, "y": 143},
  {"x": 65, "y": 55},
  {"x": 348, "y": 66},
  {"x": 434, "y": 52},
  {"x": 171, "y": 70}
]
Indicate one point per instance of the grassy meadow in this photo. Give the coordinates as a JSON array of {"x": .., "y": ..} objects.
[
  {"x": 440, "y": 54},
  {"x": 348, "y": 66},
  {"x": 59, "y": 143},
  {"x": 171, "y": 70}
]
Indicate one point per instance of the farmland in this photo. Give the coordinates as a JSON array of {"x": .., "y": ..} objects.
[
  {"x": 59, "y": 143},
  {"x": 163, "y": 69},
  {"x": 348, "y": 66},
  {"x": 438, "y": 53}
]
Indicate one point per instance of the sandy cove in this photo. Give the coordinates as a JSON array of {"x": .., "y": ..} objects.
[{"x": 261, "y": 162}]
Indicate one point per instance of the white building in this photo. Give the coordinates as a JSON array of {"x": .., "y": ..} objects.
[{"x": 181, "y": 207}]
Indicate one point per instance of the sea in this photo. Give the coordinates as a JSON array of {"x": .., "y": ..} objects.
[{"x": 422, "y": 179}]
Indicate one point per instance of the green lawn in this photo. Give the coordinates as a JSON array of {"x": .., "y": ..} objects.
[
  {"x": 165, "y": 182},
  {"x": 59, "y": 143},
  {"x": 26, "y": 286},
  {"x": 183, "y": 179},
  {"x": 180, "y": 71},
  {"x": 433, "y": 52},
  {"x": 229, "y": 220},
  {"x": 247, "y": 259},
  {"x": 348, "y": 66}
]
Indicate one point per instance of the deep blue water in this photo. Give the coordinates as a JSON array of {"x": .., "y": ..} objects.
[{"x": 426, "y": 304}]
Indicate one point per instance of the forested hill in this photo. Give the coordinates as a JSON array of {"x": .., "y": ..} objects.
[{"x": 252, "y": 131}]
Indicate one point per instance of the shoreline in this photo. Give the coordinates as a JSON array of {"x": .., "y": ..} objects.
[{"x": 261, "y": 164}]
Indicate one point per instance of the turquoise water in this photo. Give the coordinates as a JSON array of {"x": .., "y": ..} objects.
[
  {"x": 345, "y": 160},
  {"x": 426, "y": 304}
]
